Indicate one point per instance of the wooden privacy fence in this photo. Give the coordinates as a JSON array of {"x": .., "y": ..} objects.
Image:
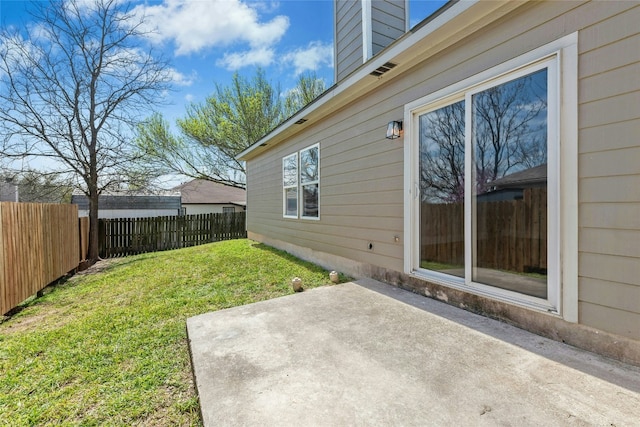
[
  {"x": 39, "y": 243},
  {"x": 130, "y": 236},
  {"x": 512, "y": 234}
]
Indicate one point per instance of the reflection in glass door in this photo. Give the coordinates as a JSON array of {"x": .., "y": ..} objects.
[
  {"x": 503, "y": 128},
  {"x": 509, "y": 200},
  {"x": 442, "y": 243}
]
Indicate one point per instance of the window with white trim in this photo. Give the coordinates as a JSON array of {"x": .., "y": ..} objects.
[
  {"x": 290, "y": 185},
  {"x": 483, "y": 184},
  {"x": 301, "y": 181},
  {"x": 310, "y": 181}
]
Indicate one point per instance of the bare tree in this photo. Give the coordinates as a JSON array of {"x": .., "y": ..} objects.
[
  {"x": 442, "y": 154},
  {"x": 72, "y": 88},
  {"x": 509, "y": 122},
  {"x": 507, "y": 135}
]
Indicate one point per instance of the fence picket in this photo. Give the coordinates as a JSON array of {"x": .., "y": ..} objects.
[
  {"x": 129, "y": 236},
  {"x": 39, "y": 243}
]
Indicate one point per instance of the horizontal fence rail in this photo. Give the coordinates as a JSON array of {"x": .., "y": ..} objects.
[
  {"x": 130, "y": 236},
  {"x": 39, "y": 243}
]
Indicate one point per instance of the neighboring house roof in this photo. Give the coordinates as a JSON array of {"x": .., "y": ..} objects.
[
  {"x": 452, "y": 23},
  {"x": 201, "y": 191},
  {"x": 525, "y": 178},
  {"x": 128, "y": 201}
]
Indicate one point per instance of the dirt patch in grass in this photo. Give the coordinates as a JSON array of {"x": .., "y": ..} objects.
[
  {"x": 99, "y": 267},
  {"x": 44, "y": 314},
  {"x": 41, "y": 313},
  {"x": 16, "y": 324}
]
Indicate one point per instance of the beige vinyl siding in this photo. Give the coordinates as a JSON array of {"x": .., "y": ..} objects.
[
  {"x": 610, "y": 216},
  {"x": 625, "y": 161},
  {"x": 609, "y": 171},
  {"x": 626, "y": 322},
  {"x": 357, "y": 163},
  {"x": 609, "y": 189},
  {"x": 609, "y": 110},
  {"x": 348, "y": 37},
  {"x": 361, "y": 178},
  {"x": 626, "y": 136},
  {"x": 388, "y": 22},
  {"x": 611, "y": 294},
  {"x": 607, "y": 58}
]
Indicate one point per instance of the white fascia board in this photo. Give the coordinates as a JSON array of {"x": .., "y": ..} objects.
[{"x": 357, "y": 83}]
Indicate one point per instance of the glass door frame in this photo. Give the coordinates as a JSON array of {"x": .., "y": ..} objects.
[
  {"x": 560, "y": 59},
  {"x": 552, "y": 302}
]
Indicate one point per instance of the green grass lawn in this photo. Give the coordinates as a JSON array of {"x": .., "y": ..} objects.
[{"x": 109, "y": 347}]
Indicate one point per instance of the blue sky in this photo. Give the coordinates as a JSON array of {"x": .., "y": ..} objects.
[{"x": 207, "y": 41}]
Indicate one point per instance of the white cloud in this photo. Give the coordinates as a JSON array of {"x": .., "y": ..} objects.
[
  {"x": 197, "y": 25},
  {"x": 39, "y": 32},
  {"x": 181, "y": 79},
  {"x": 261, "y": 57},
  {"x": 310, "y": 58},
  {"x": 17, "y": 53},
  {"x": 267, "y": 6},
  {"x": 87, "y": 7},
  {"x": 189, "y": 97}
]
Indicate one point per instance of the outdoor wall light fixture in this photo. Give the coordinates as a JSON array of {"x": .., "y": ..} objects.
[{"x": 394, "y": 130}]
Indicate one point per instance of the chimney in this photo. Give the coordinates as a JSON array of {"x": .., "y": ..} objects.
[{"x": 363, "y": 28}]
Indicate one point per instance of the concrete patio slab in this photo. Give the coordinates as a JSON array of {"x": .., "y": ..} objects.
[{"x": 368, "y": 354}]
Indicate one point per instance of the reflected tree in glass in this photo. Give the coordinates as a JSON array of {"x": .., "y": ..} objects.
[
  {"x": 290, "y": 184},
  {"x": 510, "y": 128},
  {"x": 309, "y": 179},
  {"x": 509, "y": 143},
  {"x": 309, "y": 165},
  {"x": 442, "y": 154},
  {"x": 442, "y": 169}
]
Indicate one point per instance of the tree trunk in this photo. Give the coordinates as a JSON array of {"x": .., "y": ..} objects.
[{"x": 93, "y": 226}]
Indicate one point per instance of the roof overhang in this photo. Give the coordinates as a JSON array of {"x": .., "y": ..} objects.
[{"x": 454, "y": 22}]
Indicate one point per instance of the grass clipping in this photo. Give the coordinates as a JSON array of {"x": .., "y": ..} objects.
[{"x": 109, "y": 346}]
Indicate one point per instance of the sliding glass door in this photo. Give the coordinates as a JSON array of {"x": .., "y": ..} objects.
[{"x": 483, "y": 183}]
